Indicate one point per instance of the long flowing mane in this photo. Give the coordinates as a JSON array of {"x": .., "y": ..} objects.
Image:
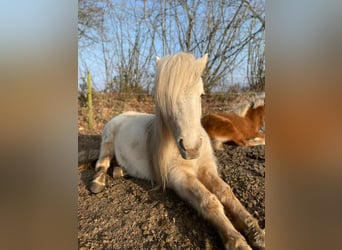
[
  {"x": 254, "y": 102},
  {"x": 241, "y": 109},
  {"x": 174, "y": 74}
]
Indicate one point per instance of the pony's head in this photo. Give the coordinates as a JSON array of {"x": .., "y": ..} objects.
[
  {"x": 258, "y": 104},
  {"x": 178, "y": 93}
]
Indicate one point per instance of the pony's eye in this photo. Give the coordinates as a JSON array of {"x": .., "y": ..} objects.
[{"x": 202, "y": 95}]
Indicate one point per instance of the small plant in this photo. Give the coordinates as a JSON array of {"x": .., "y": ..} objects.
[{"x": 90, "y": 103}]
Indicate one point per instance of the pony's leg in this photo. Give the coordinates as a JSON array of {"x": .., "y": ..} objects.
[
  {"x": 106, "y": 154},
  {"x": 237, "y": 136},
  {"x": 118, "y": 172},
  {"x": 239, "y": 140},
  {"x": 217, "y": 144},
  {"x": 239, "y": 215},
  {"x": 189, "y": 188},
  {"x": 258, "y": 139}
]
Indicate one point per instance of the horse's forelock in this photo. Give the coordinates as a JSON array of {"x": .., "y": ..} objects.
[{"x": 175, "y": 75}]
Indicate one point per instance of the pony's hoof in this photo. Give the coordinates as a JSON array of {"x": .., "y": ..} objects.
[
  {"x": 96, "y": 187},
  {"x": 238, "y": 245},
  {"x": 218, "y": 147},
  {"x": 258, "y": 241},
  {"x": 118, "y": 172},
  {"x": 259, "y": 245}
]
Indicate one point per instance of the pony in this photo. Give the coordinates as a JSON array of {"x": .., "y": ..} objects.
[
  {"x": 171, "y": 149},
  {"x": 242, "y": 125}
]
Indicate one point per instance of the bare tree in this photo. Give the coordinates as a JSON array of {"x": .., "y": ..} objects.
[
  {"x": 133, "y": 45},
  {"x": 256, "y": 64},
  {"x": 219, "y": 28},
  {"x": 129, "y": 34},
  {"x": 90, "y": 19}
]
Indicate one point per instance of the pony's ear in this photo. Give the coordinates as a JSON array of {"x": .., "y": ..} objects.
[{"x": 202, "y": 62}]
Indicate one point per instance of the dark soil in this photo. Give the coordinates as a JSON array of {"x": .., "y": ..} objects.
[{"x": 129, "y": 214}]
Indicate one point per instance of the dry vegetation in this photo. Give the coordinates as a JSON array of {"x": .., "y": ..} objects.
[{"x": 108, "y": 105}]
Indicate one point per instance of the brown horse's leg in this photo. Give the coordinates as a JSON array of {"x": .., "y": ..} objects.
[
  {"x": 240, "y": 217},
  {"x": 233, "y": 133},
  {"x": 189, "y": 188},
  {"x": 239, "y": 139},
  {"x": 257, "y": 139}
]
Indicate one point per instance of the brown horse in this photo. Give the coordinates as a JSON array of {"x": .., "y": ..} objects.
[{"x": 242, "y": 130}]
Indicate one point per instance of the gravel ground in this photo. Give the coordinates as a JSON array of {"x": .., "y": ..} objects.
[{"x": 128, "y": 214}]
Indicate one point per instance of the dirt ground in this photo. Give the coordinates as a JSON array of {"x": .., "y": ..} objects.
[{"x": 129, "y": 214}]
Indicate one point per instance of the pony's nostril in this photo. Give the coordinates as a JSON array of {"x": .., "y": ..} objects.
[{"x": 181, "y": 144}]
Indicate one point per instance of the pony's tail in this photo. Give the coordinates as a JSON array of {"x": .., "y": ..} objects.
[
  {"x": 106, "y": 154},
  {"x": 88, "y": 156}
]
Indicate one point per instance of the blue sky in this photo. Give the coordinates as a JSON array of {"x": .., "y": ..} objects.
[{"x": 92, "y": 56}]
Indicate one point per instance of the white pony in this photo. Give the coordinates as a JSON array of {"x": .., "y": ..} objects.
[{"x": 172, "y": 149}]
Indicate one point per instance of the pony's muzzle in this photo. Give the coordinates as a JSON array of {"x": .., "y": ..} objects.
[{"x": 189, "y": 153}]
